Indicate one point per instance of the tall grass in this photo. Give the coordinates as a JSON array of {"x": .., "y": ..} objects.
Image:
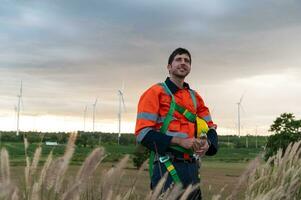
[{"x": 278, "y": 178}]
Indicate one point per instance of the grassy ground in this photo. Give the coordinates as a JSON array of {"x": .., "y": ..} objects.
[
  {"x": 217, "y": 172},
  {"x": 233, "y": 155},
  {"x": 115, "y": 152},
  {"x": 218, "y": 175},
  {"x": 215, "y": 176},
  {"x": 16, "y": 152}
]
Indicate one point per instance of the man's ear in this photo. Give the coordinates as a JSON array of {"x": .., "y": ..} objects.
[{"x": 168, "y": 67}]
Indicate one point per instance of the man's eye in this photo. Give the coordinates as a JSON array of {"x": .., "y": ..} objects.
[{"x": 186, "y": 60}]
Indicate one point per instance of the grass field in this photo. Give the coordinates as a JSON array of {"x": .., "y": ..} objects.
[
  {"x": 16, "y": 152},
  {"x": 218, "y": 175},
  {"x": 217, "y": 172},
  {"x": 115, "y": 152},
  {"x": 225, "y": 154},
  {"x": 214, "y": 175}
]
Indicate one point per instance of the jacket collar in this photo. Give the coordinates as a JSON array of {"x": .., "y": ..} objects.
[{"x": 173, "y": 87}]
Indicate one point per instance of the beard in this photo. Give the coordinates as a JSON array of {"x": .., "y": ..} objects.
[{"x": 180, "y": 74}]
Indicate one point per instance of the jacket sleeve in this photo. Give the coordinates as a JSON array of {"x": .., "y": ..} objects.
[
  {"x": 213, "y": 142},
  {"x": 147, "y": 116},
  {"x": 203, "y": 112}
]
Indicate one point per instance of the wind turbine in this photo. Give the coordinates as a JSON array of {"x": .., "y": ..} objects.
[
  {"x": 18, "y": 109},
  {"x": 238, "y": 113},
  {"x": 94, "y": 110},
  {"x": 121, "y": 101}
]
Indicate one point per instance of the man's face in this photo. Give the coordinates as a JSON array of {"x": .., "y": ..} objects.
[{"x": 180, "y": 66}]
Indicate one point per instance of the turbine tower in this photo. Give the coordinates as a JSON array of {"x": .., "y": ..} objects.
[
  {"x": 18, "y": 109},
  {"x": 121, "y": 101},
  {"x": 94, "y": 110},
  {"x": 238, "y": 113}
]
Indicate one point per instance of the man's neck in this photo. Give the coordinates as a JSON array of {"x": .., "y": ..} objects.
[{"x": 178, "y": 81}]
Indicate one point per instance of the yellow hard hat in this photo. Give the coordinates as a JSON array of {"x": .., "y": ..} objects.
[{"x": 202, "y": 127}]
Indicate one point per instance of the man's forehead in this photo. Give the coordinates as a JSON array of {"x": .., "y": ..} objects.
[{"x": 184, "y": 55}]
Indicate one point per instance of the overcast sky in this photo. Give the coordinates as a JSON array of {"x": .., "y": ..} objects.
[{"x": 69, "y": 52}]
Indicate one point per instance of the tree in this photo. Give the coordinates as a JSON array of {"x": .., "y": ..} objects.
[
  {"x": 140, "y": 155},
  {"x": 287, "y": 129}
]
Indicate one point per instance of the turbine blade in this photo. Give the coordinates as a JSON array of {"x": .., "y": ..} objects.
[
  {"x": 242, "y": 96},
  {"x": 123, "y": 102},
  {"x": 95, "y": 101},
  {"x": 122, "y": 86}
]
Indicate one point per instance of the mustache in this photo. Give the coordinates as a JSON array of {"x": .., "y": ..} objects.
[{"x": 183, "y": 67}]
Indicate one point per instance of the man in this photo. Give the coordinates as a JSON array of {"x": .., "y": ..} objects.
[{"x": 166, "y": 125}]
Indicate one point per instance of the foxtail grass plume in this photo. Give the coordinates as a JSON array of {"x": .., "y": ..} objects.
[
  {"x": 35, "y": 160},
  {"x": 279, "y": 178},
  {"x": 5, "y": 171},
  {"x": 25, "y": 144},
  {"x": 7, "y": 189},
  {"x": 63, "y": 166},
  {"x": 45, "y": 169},
  {"x": 90, "y": 164},
  {"x": 158, "y": 189},
  {"x": 85, "y": 172},
  {"x": 188, "y": 191},
  {"x": 112, "y": 177}
]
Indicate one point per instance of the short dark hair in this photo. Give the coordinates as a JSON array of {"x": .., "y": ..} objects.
[{"x": 178, "y": 51}]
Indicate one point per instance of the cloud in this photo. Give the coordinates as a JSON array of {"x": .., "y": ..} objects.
[{"x": 69, "y": 52}]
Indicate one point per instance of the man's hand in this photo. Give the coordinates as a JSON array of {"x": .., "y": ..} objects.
[
  {"x": 186, "y": 143},
  {"x": 200, "y": 146}
]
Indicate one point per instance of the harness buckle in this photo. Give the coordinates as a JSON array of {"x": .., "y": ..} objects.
[{"x": 163, "y": 159}]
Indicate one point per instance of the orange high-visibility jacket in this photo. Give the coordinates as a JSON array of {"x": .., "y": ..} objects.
[{"x": 154, "y": 105}]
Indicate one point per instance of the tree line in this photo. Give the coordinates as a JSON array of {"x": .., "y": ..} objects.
[
  {"x": 285, "y": 129},
  {"x": 89, "y": 139},
  {"x": 85, "y": 139}
]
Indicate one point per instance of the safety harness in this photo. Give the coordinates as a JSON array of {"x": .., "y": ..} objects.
[{"x": 202, "y": 128}]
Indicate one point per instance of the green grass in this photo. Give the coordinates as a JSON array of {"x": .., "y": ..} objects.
[
  {"x": 213, "y": 174},
  {"x": 234, "y": 154},
  {"x": 115, "y": 152},
  {"x": 16, "y": 152}
]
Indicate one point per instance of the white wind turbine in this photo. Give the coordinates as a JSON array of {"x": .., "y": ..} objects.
[
  {"x": 121, "y": 101},
  {"x": 239, "y": 105},
  {"x": 94, "y": 110},
  {"x": 18, "y": 109}
]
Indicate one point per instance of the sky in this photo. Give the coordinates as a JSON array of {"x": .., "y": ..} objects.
[{"x": 67, "y": 53}]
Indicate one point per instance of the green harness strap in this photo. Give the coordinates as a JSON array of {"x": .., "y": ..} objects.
[
  {"x": 163, "y": 130},
  {"x": 188, "y": 115}
]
